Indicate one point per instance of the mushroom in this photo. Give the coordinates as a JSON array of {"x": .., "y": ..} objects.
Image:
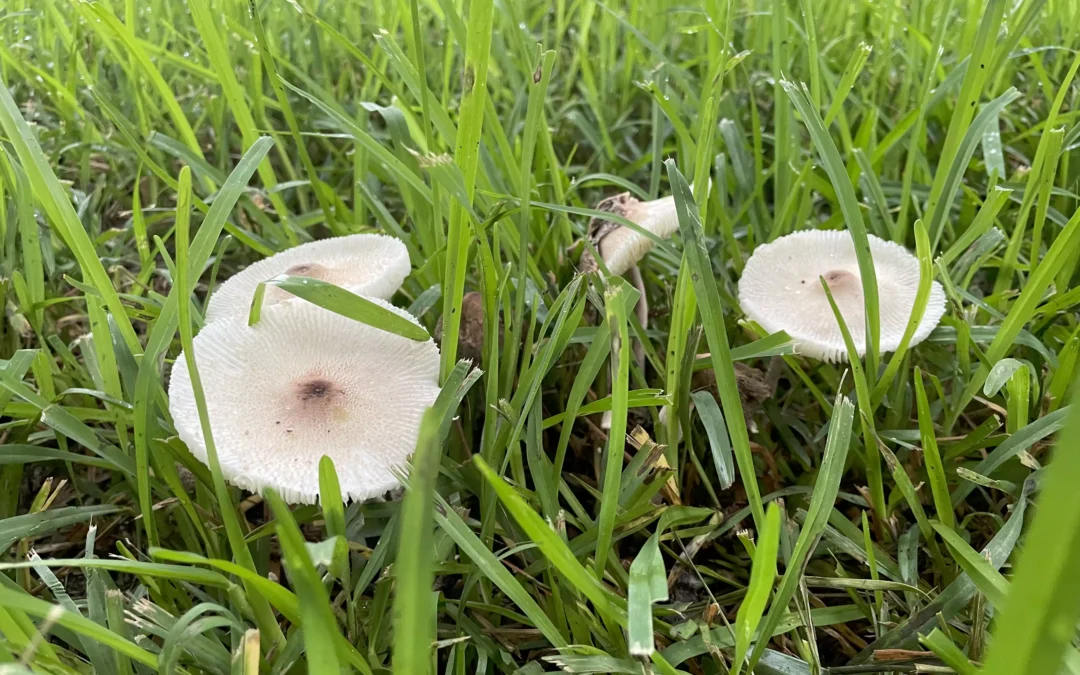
[
  {"x": 301, "y": 383},
  {"x": 471, "y": 334},
  {"x": 780, "y": 289},
  {"x": 622, "y": 248},
  {"x": 372, "y": 265}
]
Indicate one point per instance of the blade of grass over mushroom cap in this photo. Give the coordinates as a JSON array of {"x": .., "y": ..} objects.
[
  {"x": 712, "y": 316},
  {"x": 778, "y": 289},
  {"x": 263, "y": 613},
  {"x": 918, "y": 310},
  {"x": 1037, "y": 623},
  {"x": 371, "y": 265},
  {"x": 849, "y": 206},
  {"x": 862, "y": 392},
  {"x": 343, "y": 302}
]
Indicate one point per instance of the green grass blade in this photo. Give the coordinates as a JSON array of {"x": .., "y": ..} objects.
[
  {"x": 713, "y": 420},
  {"x": 989, "y": 581},
  {"x": 23, "y": 602},
  {"x": 762, "y": 578},
  {"x": 494, "y": 569},
  {"x": 414, "y": 606},
  {"x": 712, "y": 313},
  {"x": 970, "y": 92},
  {"x": 348, "y": 304},
  {"x": 948, "y": 652},
  {"x": 648, "y": 584},
  {"x": 862, "y": 393},
  {"x": 826, "y": 488},
  {"x": 316, "y": 616},
  {"x": 53, "y": 198},
  {"x": 918, "y": 309},
  {"x": 849, "y": 206},
  {"x": 106, "y": 21},
  {"x": 290, "y": 118},
  {"x": 467, "y": 157},
  {"x": 1035, "y": 626},
  {"x": 964, "y": 151},
  {"x": 549, "y": 543},
  {"x": 1064, "y": 246},
  {"x": 939, "y": 487},
  {"x": 615, "y": 306}
]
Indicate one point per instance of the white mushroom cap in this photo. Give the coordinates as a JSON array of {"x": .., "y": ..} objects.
[
  {"x": 372, "y": 265},
  {"x": 621, "y": 247},
  {"x": 781, "y": 290},
  {"x": 302, "y": 383}
]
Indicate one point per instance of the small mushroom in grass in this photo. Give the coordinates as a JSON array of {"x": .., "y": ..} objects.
[
  {"x": 622, "y": 248},
  {"x": 372, "y": 265},
  {"x": 780, "y": 289},
  {"x": 302, "y": 383},
  {"x": 471, "y": 333}
]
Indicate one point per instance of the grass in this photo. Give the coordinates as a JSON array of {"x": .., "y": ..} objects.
[{"x": 148, "y": 150}]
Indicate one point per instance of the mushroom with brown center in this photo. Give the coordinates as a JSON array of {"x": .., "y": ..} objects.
[
  {"x": 781, "y": 289},
  {"x": 372, "y": 265},
  {"x": 302, "y": 383}
]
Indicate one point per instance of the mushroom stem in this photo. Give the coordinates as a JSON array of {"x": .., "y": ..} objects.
[{"x": 642, "y": 309}]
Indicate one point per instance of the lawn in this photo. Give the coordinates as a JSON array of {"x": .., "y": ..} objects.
[{"x": 615, "y": 468}]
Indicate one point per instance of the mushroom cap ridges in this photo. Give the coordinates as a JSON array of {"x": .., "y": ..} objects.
[
  {"x": 302, "y": 383},
  {"x": 373, "y": 265},
  {"x": 780, "y": 289}
]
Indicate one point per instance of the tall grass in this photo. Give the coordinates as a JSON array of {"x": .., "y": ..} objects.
[{"x": 148, "y": 150}]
